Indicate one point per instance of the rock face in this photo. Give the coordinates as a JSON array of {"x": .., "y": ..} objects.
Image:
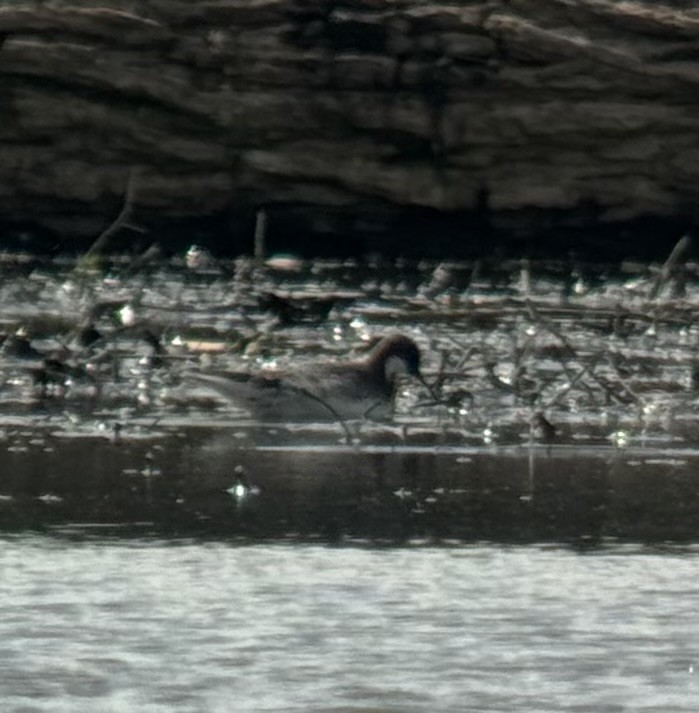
[{"x": 518, "y": 113}]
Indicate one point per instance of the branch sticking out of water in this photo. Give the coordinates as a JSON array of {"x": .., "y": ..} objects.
[
  {"x": 587, "y": 368},
  {"x": 261, "y": 234},
  {"x": 608, "y": 389},
  {"x": 87, "y": 261},
  {"x": 671, "y": 266},
  {"x": 622, "y": 381}
]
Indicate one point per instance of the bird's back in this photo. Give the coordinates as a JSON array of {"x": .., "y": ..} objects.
[{"x": 319, "y": 393}]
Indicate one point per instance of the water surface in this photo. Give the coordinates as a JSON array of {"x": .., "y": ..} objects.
[
  {"x": 524, "y": 538},
  {"x": 563, "y": 404},
  {"x": 143, "y": 624}
]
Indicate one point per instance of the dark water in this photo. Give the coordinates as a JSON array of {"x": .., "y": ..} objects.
[
  {"x": 191, "y": 483},
  {"x": 522, "y": 539}
]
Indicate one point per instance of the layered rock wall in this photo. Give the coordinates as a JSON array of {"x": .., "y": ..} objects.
[{"x": 510, "y": 110}]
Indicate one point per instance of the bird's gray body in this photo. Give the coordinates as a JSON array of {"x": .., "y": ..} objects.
[{"x": 324, "y": 391}]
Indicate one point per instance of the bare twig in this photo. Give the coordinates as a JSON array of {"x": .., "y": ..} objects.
[
  {"x": 569, "y": 347},
  {"x": 587, "y": 369},
  {"x": 670, "y": 267},
  {"x": 622, "y": 380},
  {"x": 121, "y": 221},
  {"x": 261, "y": 234}
]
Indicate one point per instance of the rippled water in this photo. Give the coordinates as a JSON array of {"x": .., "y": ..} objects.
[
  {"x": 120, "y": 625},
  {"x": 161, "y": 551}
]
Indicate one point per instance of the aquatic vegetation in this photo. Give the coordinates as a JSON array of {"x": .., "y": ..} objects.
[
  {"x": 511, "y": 351},
  {"x": 526, "y": 379}
]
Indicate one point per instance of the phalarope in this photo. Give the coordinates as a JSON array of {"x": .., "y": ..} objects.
[{"x": 325, "y": 391}]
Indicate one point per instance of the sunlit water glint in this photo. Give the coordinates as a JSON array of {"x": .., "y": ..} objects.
[
  {"x": 520, "y": 536},
  {"x": 95, "y": 624},
  {"x": 561, "y": 400}
]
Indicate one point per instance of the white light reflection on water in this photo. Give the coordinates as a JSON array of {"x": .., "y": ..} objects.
[{"x": 107, "y": 625}]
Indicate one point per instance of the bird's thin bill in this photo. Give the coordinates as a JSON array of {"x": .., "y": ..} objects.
[{"x": 431, "y": 391}]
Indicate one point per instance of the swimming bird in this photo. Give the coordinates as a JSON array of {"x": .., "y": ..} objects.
[{"x": 325, "y": 391}]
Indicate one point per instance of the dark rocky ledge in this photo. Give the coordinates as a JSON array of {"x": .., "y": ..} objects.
[{"x": 373, "y": 118}]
